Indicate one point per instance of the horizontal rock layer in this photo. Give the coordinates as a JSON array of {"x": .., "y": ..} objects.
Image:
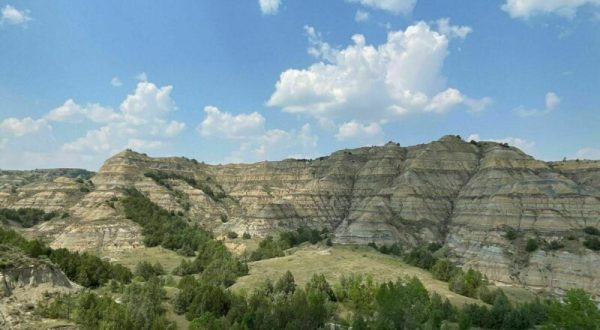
[{"x": 465, "y": 195}]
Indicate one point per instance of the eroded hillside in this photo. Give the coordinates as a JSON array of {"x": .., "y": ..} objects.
[{"x": 465, "y": 195}]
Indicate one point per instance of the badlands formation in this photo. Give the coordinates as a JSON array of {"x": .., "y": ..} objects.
[{"x": 465, "y": 195}]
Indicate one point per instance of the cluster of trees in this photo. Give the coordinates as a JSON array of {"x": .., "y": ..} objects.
[
  {"x": 423, "y": 256},
  {"x": 82, "y": 268},
  {"x": 215, "y": 264},
  {"x": 162, "y": 178},
  {"x": 393, "y": 249},
  {"x": 464, "y": 283},
  {"x": 146, "y": 270},
  {"x": 282, "y": 305},
  {"x": 26, "y": 217},
  {"x": 161, "y": 227},
  {"x": 140, "y": 308},
  {"x": 270, "y": 247}
]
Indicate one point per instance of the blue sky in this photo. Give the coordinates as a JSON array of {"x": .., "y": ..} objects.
[{"x": 244, "y": 81}]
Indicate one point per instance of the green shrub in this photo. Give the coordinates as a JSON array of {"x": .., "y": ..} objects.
[
  {"x": 443, "y": 270},
  {"x": 511, "y": 234},
  {"x": 555, "y": 245},
  {"x": 466, "y": 284},
  {"x": 246, "y": 235},
  {"x": 591, "y": 231},
  {"x": 232, "y": 235},
  {"x": 422, "y": 256},
  {"x": 532, "y": 245},
  {"x": 146, "y": 270},
  {"x": 592, "y": 243}
]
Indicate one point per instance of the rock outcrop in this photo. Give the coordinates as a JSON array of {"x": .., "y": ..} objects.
[
  {"x": 24, "y": 281},
  {"x": 465, "y": 195}
]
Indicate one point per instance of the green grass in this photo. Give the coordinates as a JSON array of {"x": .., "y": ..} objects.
[
  {"x": 130, "y": 257},
  {"x": 333, "y": 262}
]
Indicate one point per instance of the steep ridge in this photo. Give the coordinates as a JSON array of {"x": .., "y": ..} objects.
[{"x": 466, "y": 195}]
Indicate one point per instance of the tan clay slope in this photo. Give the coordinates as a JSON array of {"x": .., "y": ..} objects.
[{"x": 462, "y": 194}]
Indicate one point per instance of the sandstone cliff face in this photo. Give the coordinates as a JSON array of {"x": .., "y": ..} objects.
[{"x": 466, "y": 195}]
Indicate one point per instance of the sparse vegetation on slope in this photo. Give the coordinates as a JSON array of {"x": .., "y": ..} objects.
[
  {"x": 162, "y": 178},
  {"x": 26, "y": 217},
  {"x": 270, "y": 247},
  {"x": 140, "y": 308},
  {"x": 82, "y": 268},
  {"x": 161, "y": 227}
]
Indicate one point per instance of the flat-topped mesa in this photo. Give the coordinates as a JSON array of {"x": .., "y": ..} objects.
[{"x": 464, "y": 194}]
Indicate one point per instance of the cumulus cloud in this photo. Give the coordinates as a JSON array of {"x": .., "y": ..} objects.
[
  {"x": 140, "y": 123},
  {"x": 355, "y": 130},
  {"x": 20, "y": 127},
  {"x": 142, "y": 76},
  {"x": 393, "y": 6},
  {"x": 223, "y": 124},
  {"x": 277, "y": 144},
  {"x": 552, "y": 101},
  {"x": 72, "y": 112},
  {"x": 258, "y": 143},
  {"x": 452, "y": 31},
  {"x": 372, "y": 83},
  {"x": 174, "y": 128},
  {"x": 269, "y": 7},
  {"x": 525, "y": 9},
  {"x": 520, "y": 143},
  {"x": 588, "y": 153},
  {"x": 13, "y": 16},
  {"x": 116, "y": 82},
  {"x": 140, "y": 144},
  {"x": 361, "y": 16}
]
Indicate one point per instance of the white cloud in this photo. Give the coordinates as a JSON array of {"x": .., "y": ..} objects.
[
  {"x": 13, "y": 16},
  {"x": 525, "y": 145},
  {"x": 224, "y": 124},
  {"x": 142, "y": 76},
  {"x": 258, "y": 143},
  {"x": 143, "y": 145},
  {"x": 116, "y": 82},
  {"x": 20, "y": 127},
  {"x": 174, "y": 128},
  {"x": 72, "y": 112},
  {"x": 140, "y": 123},
  {"x": 588, "y": 153},
  {"x": 552, "y": 101},
  {"x": 372, "y": 83},
  {"x": 147, "y": 103},
  {"x": 361, "y": 16},
  {"x": 277, "y": 144},
  {"x": 445, "y": 101},
  {"x": 94, "y": 140},
  {"x": 393, "y": 6},
  {"x": 355, "y": 130},
  {"x": 527, "y": 8},
  {"x": 269, "y": 7},
  {"x": 452, "y": 31}
]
